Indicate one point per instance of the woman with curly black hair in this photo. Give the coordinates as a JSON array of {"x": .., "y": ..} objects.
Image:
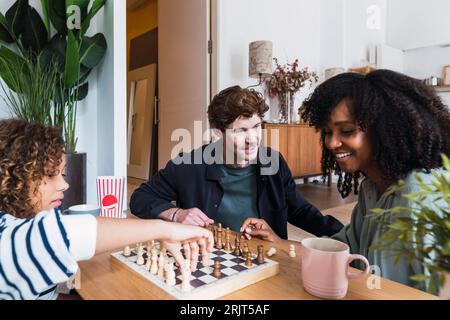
[
  {"x": 382, "y": 126},
  {"x": 39, "y": 247}
]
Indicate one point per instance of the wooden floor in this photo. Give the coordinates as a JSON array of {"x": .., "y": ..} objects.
[{"x": 322, "y": 197}]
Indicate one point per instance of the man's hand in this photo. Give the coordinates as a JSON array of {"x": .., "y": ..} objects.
[
  {"x": 259, "y": 228},
  {"x": 193, "y": 216}
]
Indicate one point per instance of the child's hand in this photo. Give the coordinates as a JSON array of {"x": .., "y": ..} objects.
[
  {"x": 190, "y": 239},
  {"x": 190, "y": 249}
]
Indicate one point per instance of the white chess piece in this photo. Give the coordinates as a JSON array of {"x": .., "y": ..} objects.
[
  {"x": 292, "y": 253},
  {"x": 148, "y": 265},
  {"x": 170, "y": 274},
  {"x": 127, "y": 251},
  {"x": 154, "y": 266},
  {"x": 271, "y": 252},
  {"x": 161, "y": 265},
  {"x": 140, "y": 258},
  {"x": 186, "y": 276}
]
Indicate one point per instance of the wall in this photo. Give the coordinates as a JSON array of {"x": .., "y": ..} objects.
[
  {"x": 426, "y": 62},
  {"x": 141, "y": 20},
  {"x": 322, "y": 34},
  {"x": 292, "y": 25},
  {"x": 428, "y": 22}
]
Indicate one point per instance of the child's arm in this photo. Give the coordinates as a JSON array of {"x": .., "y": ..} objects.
[
  {"x": 91, "y": 235},
  {"x": 38, "y": 253}
]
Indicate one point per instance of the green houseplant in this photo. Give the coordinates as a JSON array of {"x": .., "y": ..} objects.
[
  {"x": 30, "y": 41},
  {"x": 34, "y": 84},
  {"x": 60, "y": 36},
  {"x": 423, "y": 233}
]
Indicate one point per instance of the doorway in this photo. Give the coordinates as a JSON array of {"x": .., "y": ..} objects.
[{"x": 175, "y": 35}]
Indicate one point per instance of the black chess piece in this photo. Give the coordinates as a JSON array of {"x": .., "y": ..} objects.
[
  {"x": 216, "y": 272},
  {"x": 248, "y": 261},
  {"x": 260, "y": 258}
]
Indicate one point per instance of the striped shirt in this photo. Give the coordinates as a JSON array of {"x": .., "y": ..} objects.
[{"x": 39, "y": 253}]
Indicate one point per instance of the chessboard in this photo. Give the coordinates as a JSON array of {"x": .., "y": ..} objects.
[{"x": 234, "y": 273}]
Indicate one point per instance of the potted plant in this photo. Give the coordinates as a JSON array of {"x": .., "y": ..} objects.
[
  {"x": 285, "y": 82},
  {"x": 58, "y": 37},
  {"x": 34, "y": 88},
  {"x": 421, "y": 231}
]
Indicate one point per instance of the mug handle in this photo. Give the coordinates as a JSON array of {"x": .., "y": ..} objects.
[{"x": 357, "y": 275}]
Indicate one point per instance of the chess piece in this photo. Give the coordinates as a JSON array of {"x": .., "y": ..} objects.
[
  {"x": 161, "y": 265},
  {"x": 271, "y": 252},
  {"x": 148, "y": 264},
  {"x": 237, "y": 246},
  {"x": 186, "y": 276},
  {"x": 248, "y": 260},
  {"x": 227, "y": 247},
  {"x": 245, "y": 250},
  {"x": 219, "y": 244},
  {"x": 216, "y": 271},
  {"x": 215, "y": 236},
  {"x": 154, "y": 266},
  {"x": 170, "y": 274},
  {"x": 140, "y": 257},
  {"x": 260, "y": 258},
  {"x": 292, "y": 253},
  {"x": 127, "y": 251}
]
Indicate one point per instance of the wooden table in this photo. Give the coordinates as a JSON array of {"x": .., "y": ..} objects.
[{"x": 103, "y": 278}]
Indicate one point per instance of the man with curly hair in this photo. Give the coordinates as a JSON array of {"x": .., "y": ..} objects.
[
  {"x": 39, "y": 248},
  {"x": 379, "y": 127},
  {"x": 236, "y": 181}
]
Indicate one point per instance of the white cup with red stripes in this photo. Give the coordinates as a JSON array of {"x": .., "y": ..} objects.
[{"x": 110, "y": 191}]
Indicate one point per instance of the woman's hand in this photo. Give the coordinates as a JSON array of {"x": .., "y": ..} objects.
[{"x": 253, "y": 227}]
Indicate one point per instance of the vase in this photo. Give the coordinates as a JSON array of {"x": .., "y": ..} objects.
[
  {"x": 76, "y": 178},
  {"x": 291, "y": 117},
  {"x": 283, "y": 106}
]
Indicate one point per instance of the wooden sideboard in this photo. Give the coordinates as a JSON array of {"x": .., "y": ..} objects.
[{"x": 300, "y": 146}]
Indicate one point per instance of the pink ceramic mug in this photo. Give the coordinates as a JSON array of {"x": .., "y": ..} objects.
[{"x": 325, "y": 264}]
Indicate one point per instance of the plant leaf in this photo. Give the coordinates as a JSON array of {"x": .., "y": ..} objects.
[
  {"x": 72, "y": 66},
  {"x": 419, "y": 277},
  {"x": 446, "y": 162},
  {"x": 83, "y": 91},
  {"x": 93, "y": 50},
  {"x": 15, "y": 17},
  {"x": 46, "y": 19},
  {"x": 57, "y": 13},
  {"x": 11, "y": 58},
  {"x": 84, "y": 73},
  {"x": 96, "y": 6},
  {"x": 5, "y": 35},
  {"x": 34, "y": 34}
]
